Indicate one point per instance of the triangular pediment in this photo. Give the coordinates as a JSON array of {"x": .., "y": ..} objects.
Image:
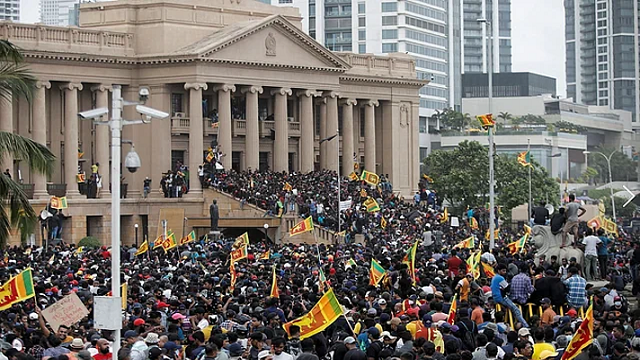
[{"x": 272, "y": 41}]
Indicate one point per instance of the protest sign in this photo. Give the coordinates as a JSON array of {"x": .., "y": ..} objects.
[{"x": 66, "y": 311}]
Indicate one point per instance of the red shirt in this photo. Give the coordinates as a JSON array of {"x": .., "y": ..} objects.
[
  {"x": 454, "y": 265},
  {"x": 101, "y": 356}
]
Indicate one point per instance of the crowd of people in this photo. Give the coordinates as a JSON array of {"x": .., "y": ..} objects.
[{"x": 182, "y": 305}]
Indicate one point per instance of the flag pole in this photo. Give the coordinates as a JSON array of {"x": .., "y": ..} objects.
[
  {"x": 530, "y": 166},
  {"x": 338, "y": 168}
]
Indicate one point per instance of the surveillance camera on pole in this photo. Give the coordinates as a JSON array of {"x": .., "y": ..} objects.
[
  {"x": 150, "y": 113},
  {"x": 93, "y": 113}
]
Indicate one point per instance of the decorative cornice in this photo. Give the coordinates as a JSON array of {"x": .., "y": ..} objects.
[
  {"x": 349, "y": 102},
  {"x": 101, "y": 88},
  {"x": 224, "y": 87},
  {"x": 43, "y": 84},
  {"x": 196, "y": 86},
  {"x": 374, "y": 103},
  {"x": 308, "y": 93},
  {"x": 387, "y": 81},
  {"x": 252, "y": 89},
  {"x": 281, "y": 91},
  {"x": 330, "y": 94},
  {"x": 71, "y": 86}
]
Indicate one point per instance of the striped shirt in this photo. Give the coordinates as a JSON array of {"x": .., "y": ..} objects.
[{"x": 577, "y": 295}]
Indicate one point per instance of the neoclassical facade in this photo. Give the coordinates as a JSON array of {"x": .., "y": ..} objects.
[{"x": 273, "y": 90}]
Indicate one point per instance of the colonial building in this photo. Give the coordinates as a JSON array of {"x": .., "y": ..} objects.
[{"x": 274, "y": 91}]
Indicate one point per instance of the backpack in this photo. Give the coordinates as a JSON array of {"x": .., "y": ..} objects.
[{"x": 468, "y": 340}]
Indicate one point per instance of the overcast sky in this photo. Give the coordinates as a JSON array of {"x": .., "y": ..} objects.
[{"x": 537, "y": 36}]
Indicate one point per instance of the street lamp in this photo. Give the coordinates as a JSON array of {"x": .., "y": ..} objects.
[
  {"x": 486, "y": 24},
  {"x": 136, "y": 227},
  {"x": 608, "y": 158},
  {"x": 132, "y": 163},
  {"x": 266, "y": 228}
]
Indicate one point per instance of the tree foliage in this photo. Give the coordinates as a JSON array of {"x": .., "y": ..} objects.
[
  {"x": 461, "y": 177},
  {"x": 622, "y": 167},
  {"x": 452, "y": 120}
]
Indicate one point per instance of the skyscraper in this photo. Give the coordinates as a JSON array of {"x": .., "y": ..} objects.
[
  {"x": 59, "y": 12},
  {"x": 602, "y": 53},
  {"x": 474, "y": 52},
  {"x": 10, "y": 10}
]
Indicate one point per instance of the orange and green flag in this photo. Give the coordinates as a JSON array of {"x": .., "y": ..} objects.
[
  {"x": 489, "y": 272},
  {"x": 496, "y": 234},
  {"x": 453, "y": 310},
  {"x": 524, "y": 158},
  {"x": 473, "y": 264},
  {"x": 275, "y": 293},
  {"x": 486, "y": 121},
  {"x": 189, "y": 238},
  {"x": 302, "y": 227},
  {"x": 351, "y": 263},
  {"x": 581, "y": 338},
  {"x": 287, "y": 187},
  {"x": 371, "y": 204},
  {"x": 241, "y": 241},
  {"x": 473, "y": 223},
  {"x": 527, "y": 229},
  {"x": 468, "y": 243},
  {"x": 18, "y": 288},
  {"x": 370, "y": 178},
  {"x": 517, "y": 246},
  {"x": 321, "y": 316},
  {"x": 170, "y": 242},
  {"x": 59, "y": 202},
  {"x": 410, "y": 260},
  {"x": 353, "y": 176},
  {"x": 239, "y": 254},
  {"x": 376, "y": 273}
]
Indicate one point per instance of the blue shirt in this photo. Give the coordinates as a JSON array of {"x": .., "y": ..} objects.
[
  {"x": 602, "y": 250},
  {"x": 497, "y": 284},
  {"x": 576, "y": 295}
]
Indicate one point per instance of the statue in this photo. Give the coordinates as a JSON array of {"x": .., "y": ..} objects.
[
  {"x": 270, "y": 45},
  {"x": 214, "y": 215},
  {"x": 549, "y": 245}
]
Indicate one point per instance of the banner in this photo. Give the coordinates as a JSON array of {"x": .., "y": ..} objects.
[{"x": 66, "y": 311}]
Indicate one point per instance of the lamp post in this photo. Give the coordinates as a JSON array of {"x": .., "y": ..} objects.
[
  {"x": 492, "y": 215},
  {"x": 136, "y": 227},
  {"x": 608, "y": 158},
  {"x": 132, "y": 163},
  {"x": 266, "y": 228}
]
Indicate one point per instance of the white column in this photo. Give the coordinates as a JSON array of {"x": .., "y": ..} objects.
[
  {"x": 323, "y": 134},
  {"x": 224, "y": 117},
  {"x": 71, "y": 136},
  {"x": 347, "y": 136},
  {"x": 252, "y": 138},
  {"x": 306, "y": 129},
  {"x": 102, "y": 141},
  {"x": 370, "y": 135},
  {"x": 38, "y": 109},
  {"x": 281, "y": 146},
  {"x": 196, "y": 136},
  {"x": 332, "y": 128}
]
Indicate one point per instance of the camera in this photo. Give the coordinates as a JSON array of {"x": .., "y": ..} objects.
[
  {"x": 93, "y": 113},
  {"x": 432, "y": 78},
  {"x": 151, "y": 113},
  {"x": 143, "y": 94},
  {"x": 132, "y": 161}
]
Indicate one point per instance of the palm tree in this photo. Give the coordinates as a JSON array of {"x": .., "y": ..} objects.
[
  {"x": 16, "y": 80},
  {"x": 505, "y": 116}
]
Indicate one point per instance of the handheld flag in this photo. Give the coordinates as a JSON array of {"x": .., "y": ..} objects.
[
  {"x": 350, "y": 264},
  {"x": 80, "y": 178},
  {"x": 527, "y": 229},
  {"x": 610, "y": 226},
  {"x": 144, "y": 247},
  {"x": 473, "y": 264},
  {"x": 488, "y": 270},
  {"x": 468, "y": 243},
  {"x": 410, "y": 260},
  {"x": 241, "y": 241},
  {"x": 496, "y": 234},
  {"x": 518, "y": 245},
  {"x": 321, "y": 316},
  {"x": 123, "y": 294},
  {"x": 383, "y": 223},
  {"x": 486, "y": 121},
  {"x": 370, "y": 178},
  {"x": 376, "y": 273},
  {"x": 363, "y": 193},
  {"x": 59, "y": 202},
  {"x": 353, "y": 176},
  {"x": 209, "y": 157},
  {"x": 302, "y": 227},
  {"x": 453, "y": 310},
  {"x": 473, "y": 223},
  {"x": 275, "y": 293},
  {"x": 524, "y": 158},
  {"x": 581, "y": 338},
  {"x": 158, "y": 242},
  {"x": 170, "y": 242},
  {"x": 595, "y": 223},
  {"x": 239, "y": 254},
  {"x": 445, "y": 216},
  {"x": 189, "y": 238},
  {"x": 232, "y": 271},
  {"x": 427, "y": 177},
  {"x": 19, "y": 288},
  {"x": 371, "y": 204},
  {"x": 266, "y": 255},
  {"x": 287, "y": 187}
]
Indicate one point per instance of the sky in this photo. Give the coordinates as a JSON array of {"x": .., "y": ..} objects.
[{"x": 538, "y": 45}]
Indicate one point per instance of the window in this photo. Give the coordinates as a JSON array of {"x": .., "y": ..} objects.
[
  {"x": 285, "y": 1},
  {"x": 389, "y": 47},
  {"x": 362, "y": 8},
  {"x": 389, "y": 7},
  {"x": 422, "y": 24},
  {"x": 424, "y": 152},
  {"x": 362, "y": 48},
  {"x": 362, "y": 22},
  {"x": 423, "y": 125},
  {"x": 176, "y": 103},
  {"x": 602, "y": 23},
  {"x": 427, "y": 51},
  {"x": 602, "y": 85},
  {"x": 602, "y": 50},
  {"x": 603, "y": 93},
  {"x": 424, "y": 37},
  {"x": 425, "y": 11},
  {"x": 362, "y": 34},
  {"x": 602, "y": 58},
  {"x": 604, "y": 102},
  {"x": 389, "y": 34},
  {"x": 389, "y": 20}
]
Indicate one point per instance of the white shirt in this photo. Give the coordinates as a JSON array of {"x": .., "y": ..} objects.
[
  {"x": 591, "y": 243},
  {"x": 283, "y": 356},
  {"x": 319, "y": 208}
]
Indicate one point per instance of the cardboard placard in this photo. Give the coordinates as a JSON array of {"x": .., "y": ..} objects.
[{"x": 66, "y": 311}]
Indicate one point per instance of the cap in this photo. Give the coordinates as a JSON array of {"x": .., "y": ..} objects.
[
  {"x": 572, "y": 312},
  {"x": 395, "y": 321},
  {"x": 138, "y": 322},
  {"x": 152, "y": 338},
  {"x": 386, "y": 334},
  {"x": 263, "y": 354},
  {"x": 545, "y": 354},
  {"x": 78, "y": 344},
  {"x": 524, "y": 332},
  {"x": 545, "y": 301},
  {"x": 178, "y": 316},
  {"x": 382, "y": 302},
  {"x": 33, "y": 316},
  {"x": 373, "y": 331},
  {"x": 235, "y": 349},
  {"x": 130, "y": 334},
  {"x": 349, "y": 340},
  {"x": 372, "y": 311}
]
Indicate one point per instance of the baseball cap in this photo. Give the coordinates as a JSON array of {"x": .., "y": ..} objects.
[
  {"x": 545, "y": 354},
  {"x": 524, "y": 332},
  {"x": 178, "y": 316},
  {"x": 386, "y": 334},
  {"x": 138, "y": 322},
  {"x": 130, "y": 334},
  {"x": 373, "y": 331},
  {"x": 572, "y": 312},
  {"x": 372, "y": 311},
  {"x": 349, "y": 340},
  {"x": 263, "y": 354},
  {"x": 545, "y": 301},
  {"x": 382, "y": 302}
]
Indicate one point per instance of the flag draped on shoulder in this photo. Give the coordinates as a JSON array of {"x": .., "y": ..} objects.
[
  {"x": 581, "y": 338},
  {"x": 376, "y": 273},
  {"x": 275, "y": 293},
  {"x": 524, "y": 158},
  {"x": 144, "y": 247},
  {"x": 302, "y": 227},
  {"x": 486, "y": 121},
  {"x": 370, "y": 177},
  {"x": 410, "y": 261},
  {"x": 453, "y": 310},
  {"x": 18, "y": 288},
  {"x": 468, "y": 243},
  {"x": 320, "y": 317},
  {"x": 371, "y": 204}
]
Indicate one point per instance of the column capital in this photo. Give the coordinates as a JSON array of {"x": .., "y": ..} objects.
[
  {"x": 281, "y": 91},
  {"x": 43, "y": 84},
  {"x": 348, "y": 102},
  {"x": 308, "y": 93},
  {"x": 102, "y": 88},
  {"x": 373, "y": 103},
  {"x": 71, "y": 86},
  {"x": 224, "y": 87},
  {"x": 252, "y": 89},
  {"x": 196, "y": 86},
  {"x": 331, "y": 94}
]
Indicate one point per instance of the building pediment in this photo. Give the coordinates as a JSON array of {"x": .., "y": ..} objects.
[{"x": 269, "y": 42}]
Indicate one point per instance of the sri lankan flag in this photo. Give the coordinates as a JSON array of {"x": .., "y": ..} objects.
[
  {"x": 486, "y": 121},
  {"x": 124, "y": 289},
  {"x": 287, "y": 187},
  {"x": 321, "y": 316},
  {"x": 363, "y": 192},
  {"x": 473, "y": 223},
  {"x": 370, "y": 178},
  {"x": 496, "y": 233},
  {"x": 350, "y": 263},
  {"x": 473, "y": 264},
  {"x": 302, "y": 227},
  {"x": 189, "y": 238},
  {"x": 383, "y": 223},
  {"x": 468, "y": 243},
  {"x": 18, "y": 288},
  {"x": 322, "y": 280},
  {"x": 80, "y": 153},
  {"x": 80, "y": 178},
  {"x": 582, "y": 338},
  {"x": 488, "y": 270},
  {"x": 353, "y": 176},
  {"x": 144, "y": 247},
  {"x": 239, "y": 253},
  {"x": 158, "y": 243},
  {"x": 170, "y": 242},
  {"x": 527, "y": 229},
  {"x": 596, "y": 222},
  {"x": 445, "y": 216},
  {"x": 371, "y": 204},
  {"x": 266, "y": 255},
  {"x": 410, "y": 260},
  {"x": 518, "y": 245},
  {"x": 241, "y": 240},
  {"x": 524, "y": 158},
  {"x": 232, "y": 271},
  {"x": 59, "y": 202},
  {"x": 376, "y": 273},
  {"x": 427, "y": 177},
  {"x": 453, "y": 310},
  {"x": 209, "y": 156},
  {"x": 275, "y": 293},
  {"x": 610, "y": 226}
]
